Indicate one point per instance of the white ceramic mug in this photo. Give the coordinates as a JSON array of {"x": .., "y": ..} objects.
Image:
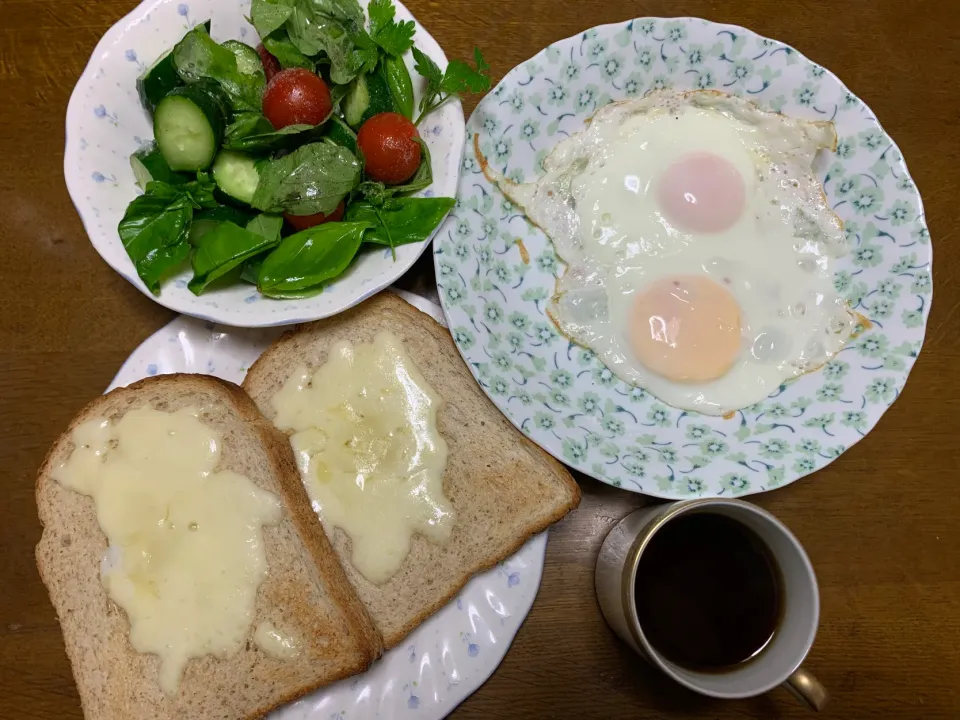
[{"x": 780, "y": 662}]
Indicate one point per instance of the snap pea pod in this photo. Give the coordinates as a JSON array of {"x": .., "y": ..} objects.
[{"x": 401, "y": 86}]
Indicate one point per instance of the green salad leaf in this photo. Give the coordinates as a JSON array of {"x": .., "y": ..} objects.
[
  {"x": 394, "y": 37},
  {"x": 258, "y": 136},
  {"x": 200, "y": 191},
  {"x": 244, "y": 125},
  {"x": 328, "y": 26},
  {"x": 198, "y": 57},
  {"x": 156, "y": 226},
  {"x": 400, "y": 221},
  {"x": 312, "y": 179},
  {"x": 269, "y": 226},
  {"x": 458, "y": 78},
  {"x": 279, "y": 44},
  {"x": 154, "y": 232},
  {"x": 363, "y": 59},
  {"x": 266, "y": 16},
  {"x": 305, "y": 261},
  {"x": 223, "y": 249}
]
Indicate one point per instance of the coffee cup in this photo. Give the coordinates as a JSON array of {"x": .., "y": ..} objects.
[{"x": 744, "y": 634}]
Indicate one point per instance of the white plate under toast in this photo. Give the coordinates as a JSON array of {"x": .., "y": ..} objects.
[{"x": 447, "y": 657}]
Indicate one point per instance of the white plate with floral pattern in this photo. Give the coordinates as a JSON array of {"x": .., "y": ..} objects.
[
  {"x": 451, "y": 654},
  {"x": 106, "y": 123},
  {"x": 495, "y": 270}
]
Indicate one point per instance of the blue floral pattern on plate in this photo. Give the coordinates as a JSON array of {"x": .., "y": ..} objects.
[
  {"x": 106, "y": 123},
  {"x": 495, "y": 271},
  {"x": 448, "y": 656}
]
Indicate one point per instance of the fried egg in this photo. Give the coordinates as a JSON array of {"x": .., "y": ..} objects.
[{"x": 698, "y": 243}]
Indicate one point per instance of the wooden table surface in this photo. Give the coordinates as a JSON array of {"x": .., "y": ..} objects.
[{"x": 881, "y": 524}]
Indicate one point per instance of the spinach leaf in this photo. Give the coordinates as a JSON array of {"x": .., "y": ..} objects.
[
  {"x": 200, "y": 191},
  {"x": 394, "y": 37},
  {"x": 279, "y": 44},
  {"x": 312, "y": 179},
  {"x": 305, "y": 261},
  {"x": 154, "y": 232},
  {"x": 337, "y": 94},
  {"x": 269, "y": 226},
  {"x": 155, "y": 227},
  {"x": 266, "y": 16},
  {"x": 244, "y": 125},
  {"x": 198, "y": 57},
  {"x": 224, "y": 213},
  {"x": 400, "y": 221},
  {"x": 222, "y": 249},
  {"x": 256, "y": 135},
  {"x": 317, "y": 26},
  {"x": 251, "y": 270}
]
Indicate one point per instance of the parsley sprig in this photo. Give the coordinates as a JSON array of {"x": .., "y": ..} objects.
[{"x": 458, "y": 78}]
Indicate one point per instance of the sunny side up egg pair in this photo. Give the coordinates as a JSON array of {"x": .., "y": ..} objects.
[{"x": 699, "y": 246}]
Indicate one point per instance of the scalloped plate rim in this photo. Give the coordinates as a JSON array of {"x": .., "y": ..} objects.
[{"x": 556, "y": 452}]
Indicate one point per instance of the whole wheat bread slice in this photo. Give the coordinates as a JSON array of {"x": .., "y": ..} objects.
[
  {"x": 503, "y": 487},
  {"x": 306, "y": 592}
]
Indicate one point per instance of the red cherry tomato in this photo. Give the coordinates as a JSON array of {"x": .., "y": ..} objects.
[
  {"x": 296, "y": 96},
  {"x": 390, "y": 152},
  {"x": 302, "y": 222},
  {"x": 271, "y": 66}
]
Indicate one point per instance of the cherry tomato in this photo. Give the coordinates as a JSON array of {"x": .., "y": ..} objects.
[
  {"x": 296, "y": 96},
  {"x": 271, "y": 66},
  {"x": 390, "y": 150},
  {"x": 302, "y": 222}
]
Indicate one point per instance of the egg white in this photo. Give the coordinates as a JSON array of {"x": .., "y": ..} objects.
[{"x": 596, "y": 203}]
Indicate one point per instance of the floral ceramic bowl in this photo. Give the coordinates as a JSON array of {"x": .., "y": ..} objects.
[
  {"x": 495, "y": 271},
  {"x": 106, "y": 123}
]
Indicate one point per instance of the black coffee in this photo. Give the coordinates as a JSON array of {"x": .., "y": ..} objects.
[{"x": 707, "y": 592}]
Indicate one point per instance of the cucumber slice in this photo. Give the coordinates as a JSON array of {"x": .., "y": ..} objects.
[
  {"x": 188, "y": 125},
  {"x": 148, "y": 165},
  {"x": 369, "y": 95},
  {"x": 160, "y": 79},
  {"x": 236, "y": 174},
  {"x": 339, "y": 132},
  {"x": 248, "y": 62}
]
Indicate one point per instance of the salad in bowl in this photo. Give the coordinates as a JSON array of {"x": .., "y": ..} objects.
[{"x": 286, "y": 171}]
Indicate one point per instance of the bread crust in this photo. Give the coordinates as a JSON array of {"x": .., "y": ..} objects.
[
  {"x": 112, "y": 678},
  {"x": 500, "y": 457}
]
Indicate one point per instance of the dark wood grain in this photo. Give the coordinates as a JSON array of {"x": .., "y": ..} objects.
[{"x": 881, "y": 524}]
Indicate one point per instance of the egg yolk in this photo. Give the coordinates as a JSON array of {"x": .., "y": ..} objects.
[
  {"x": 685, "y": 328},
  {"x": 701, "y": 192}
]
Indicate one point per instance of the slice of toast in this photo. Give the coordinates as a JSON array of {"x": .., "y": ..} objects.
[
  {"x": 504, "y": 488},
  {"x": 306, "y": 591}
]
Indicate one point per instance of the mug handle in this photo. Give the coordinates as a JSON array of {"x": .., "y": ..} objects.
[{"x": 807, "y": 689}]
